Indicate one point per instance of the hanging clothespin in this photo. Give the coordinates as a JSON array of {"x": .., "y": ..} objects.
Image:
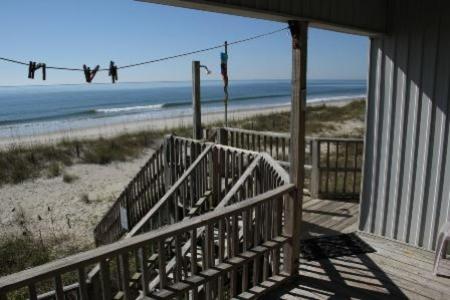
[
  {"x": 33, "y": 67},
  {"x": 90, "y": 74},
  {"x": 113, "y": 72}
]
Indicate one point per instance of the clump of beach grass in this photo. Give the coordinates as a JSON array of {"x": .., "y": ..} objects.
[
  {"x": 20, "y": 252},
  {"x": 54, "y": 169},
  {"x": 85, "y": 198},
  {"x": 69, "y": 178},
  {"x": 320, "y": 119},
  {"x": 20, "y": 163}
]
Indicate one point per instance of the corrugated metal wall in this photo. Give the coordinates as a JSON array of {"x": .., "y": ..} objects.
[{"x": 406, "y": 189}]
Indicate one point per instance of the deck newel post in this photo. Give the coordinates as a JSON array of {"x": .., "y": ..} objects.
[
  {"x": 293, "y": 203},
  {"x": 315, "y": 169},
  {"x": 167, "y": 161},
  {"x": 223, "y": 136},
  {"x": 197, "y": 115},
  {"x": 223, "y": 140}
]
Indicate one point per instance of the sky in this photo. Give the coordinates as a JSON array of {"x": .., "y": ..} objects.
[{"x": 72, "y": 33}]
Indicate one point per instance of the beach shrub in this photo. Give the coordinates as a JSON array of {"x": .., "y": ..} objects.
[
  {"x": 85, "y": 198},
  {"x": 54, "y": 169},
  {"x": 320, "y": 119},
  {"x": 21, "y": 252},
  {"x": 68, "y": 178}
]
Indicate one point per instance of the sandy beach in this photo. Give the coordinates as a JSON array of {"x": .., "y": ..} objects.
[
  {"x": 154, "y": 123},
  {"x": 49, "y": 207},
  {"x": 112, "y": 130}
]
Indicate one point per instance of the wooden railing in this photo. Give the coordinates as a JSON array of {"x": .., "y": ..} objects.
[
  {"x": 143, "y": 191},
  {"x": 197, "y": 189},
  {"x": 188, "y": 196},
  {"x": 254, "y": 179},
  {"x": 336, "y": 167},
  {"x": 219, "y": 263},
  {"x": 333, "y": 165},
  {"x": 163, "y": 168}
]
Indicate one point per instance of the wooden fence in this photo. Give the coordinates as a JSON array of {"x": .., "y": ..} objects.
[
  {"x": 221, "y": 254},
  {"x": 143, "y": 191},
  {"x": 333, "y": 165},
  {"x": 165, "y": 166}
]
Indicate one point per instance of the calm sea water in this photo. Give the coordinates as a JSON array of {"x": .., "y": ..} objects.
[{"x": 30, "y": 110}]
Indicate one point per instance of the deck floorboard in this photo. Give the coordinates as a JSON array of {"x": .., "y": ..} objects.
[{"x": 393, "y": 271}]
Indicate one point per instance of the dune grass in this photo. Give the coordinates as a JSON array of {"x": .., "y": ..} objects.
[
  {"x": 320, "y": 119},
  {"x": 19, "y": 163}
]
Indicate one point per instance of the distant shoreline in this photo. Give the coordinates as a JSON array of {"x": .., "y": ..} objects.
[{"x": 111, "y": 130}]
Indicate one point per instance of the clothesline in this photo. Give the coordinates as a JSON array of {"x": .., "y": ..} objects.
[{"x": 154, "y": 60}]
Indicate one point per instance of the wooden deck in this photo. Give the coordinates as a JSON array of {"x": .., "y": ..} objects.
[{"x": 393, "y": 271}]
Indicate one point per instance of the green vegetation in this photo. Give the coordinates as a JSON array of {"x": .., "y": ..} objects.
[
  {"x": 320, "y": 119},
  {"x": 21, "y": 163},
  {"x": 20, "y": 252},
  {"x": 68, "y": 178},
  {"x": 85, "y": 199},
  {"x": 54, "y": 169}
]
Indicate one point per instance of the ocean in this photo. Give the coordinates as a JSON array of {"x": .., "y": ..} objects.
[{"x": 34, "y": 110}]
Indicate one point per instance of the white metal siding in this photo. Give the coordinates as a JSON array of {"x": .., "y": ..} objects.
[{"x": 406, "y": 186}]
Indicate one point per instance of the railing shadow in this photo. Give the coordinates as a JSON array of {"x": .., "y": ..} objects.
[{"x": 340, "y": 270}]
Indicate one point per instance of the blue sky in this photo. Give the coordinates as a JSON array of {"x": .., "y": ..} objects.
[{"x": 73, "y": 33}]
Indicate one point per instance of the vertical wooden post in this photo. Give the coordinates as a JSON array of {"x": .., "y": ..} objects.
[
  {"x": 197, "y": 114},
  {"x": 315, "y": 169},
  {"x": 223, "y": 136},
  {"x": 293, "y": 203},
  {"x": 167, "y": 149},
  {"x": 226, "y": 88},
  {"x": 223, "y": 140}
]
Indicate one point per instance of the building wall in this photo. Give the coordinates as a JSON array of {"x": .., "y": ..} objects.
[{"x": 406, "y": 186}]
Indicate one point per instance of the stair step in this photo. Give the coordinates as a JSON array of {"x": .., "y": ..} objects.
[
  {"x": 262, "y": 288},
  {"x": 210, "y": 274}
]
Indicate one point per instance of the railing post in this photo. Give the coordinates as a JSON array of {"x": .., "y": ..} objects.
[
  {"x": 223, "y": 136},
  {"x": 214, "y": 174},
  {"x": 124, "y": 211},
  {"x": 293, "y": 203},
  {"x": 167, "y": 149},
  {"x": 197, "y": 114},
  {"x": 314, "y": 187}
]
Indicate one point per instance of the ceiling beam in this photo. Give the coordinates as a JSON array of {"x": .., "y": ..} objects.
[{"x": 365, "y": 17}]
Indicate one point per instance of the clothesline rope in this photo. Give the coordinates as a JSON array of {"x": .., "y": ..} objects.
[{"x": 154, "y": 60}]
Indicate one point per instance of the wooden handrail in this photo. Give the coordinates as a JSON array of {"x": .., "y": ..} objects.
[
  {"x": 278, "y": 167},
  {"x": 255, "y": 132},
  {"x": 224, "y": 202},
  {"x": 169, "y": 193},
  {"x": 71, "y": 263},
  {"x": 231, "y": 193},
  {"x": 288, "y": 136}
]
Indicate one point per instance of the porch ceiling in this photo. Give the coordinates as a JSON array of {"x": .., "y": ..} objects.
[{"x": 367, "y": 17}]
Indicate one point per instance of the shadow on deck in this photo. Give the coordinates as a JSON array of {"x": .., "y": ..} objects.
[{"x": 381, "y": 270}]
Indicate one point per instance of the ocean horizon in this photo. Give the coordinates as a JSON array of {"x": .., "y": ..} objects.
[{"x": 41, "y": 109}]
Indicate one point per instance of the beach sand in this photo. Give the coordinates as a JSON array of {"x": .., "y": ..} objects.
[
  {"x": 112, "y": 130},
  {"x": 49, "y": 207}
]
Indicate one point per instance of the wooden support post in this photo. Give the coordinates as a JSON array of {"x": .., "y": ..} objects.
[
  {"x": 223, "y": 136},
  {"x": 226, "y": 87},
  {"x": 293, "y": 203},
  {"x": 196, "y": 106},
  {"x": 223, "y": 140},
  {"x": 314, "y": 187},
  {"x": 168, "y": 160}
]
